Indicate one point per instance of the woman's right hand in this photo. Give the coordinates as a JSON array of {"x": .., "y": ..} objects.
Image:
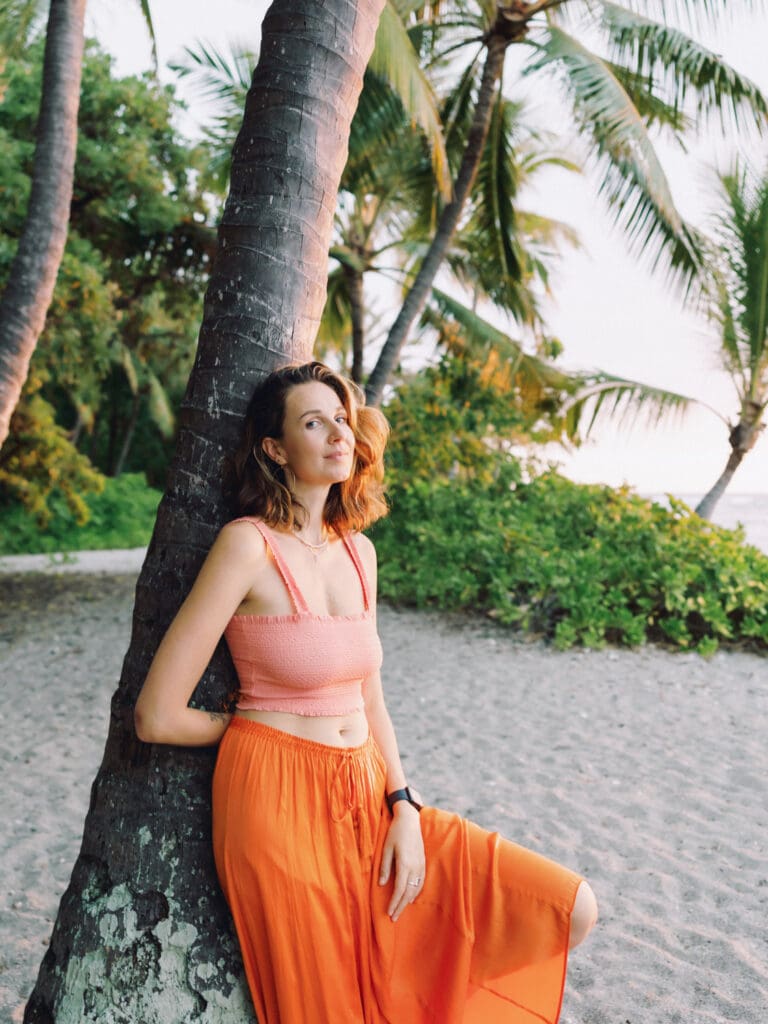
[{"x": 403, "y": 850}]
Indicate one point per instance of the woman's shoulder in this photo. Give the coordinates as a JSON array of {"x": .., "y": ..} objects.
[
  {"x": 366, "y": 550},
  {"x": 238, "y": 537}
]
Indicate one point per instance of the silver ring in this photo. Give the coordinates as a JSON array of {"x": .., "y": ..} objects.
[{"x": 417, "y": 882}]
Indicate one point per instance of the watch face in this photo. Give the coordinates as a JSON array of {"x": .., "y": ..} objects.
[{"x": 412, "y": 799}]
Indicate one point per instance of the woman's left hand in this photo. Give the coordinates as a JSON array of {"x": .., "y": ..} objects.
[{"x": 403, "y": 849}]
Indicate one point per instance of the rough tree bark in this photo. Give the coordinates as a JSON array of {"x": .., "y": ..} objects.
[
  {"x": 142, "y": 933},
  {"x": 29, "y": 288}
]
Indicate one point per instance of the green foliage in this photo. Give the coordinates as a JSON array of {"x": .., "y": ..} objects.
[
  {"x": 120, "y": 516},
  {"x": 458, "y": 420},
  {"x": 39, "y": 464},
  {"x": 119, "y": 340},
  {"x": 576, "y": 564},
  {"x": 469, "y": 529}
]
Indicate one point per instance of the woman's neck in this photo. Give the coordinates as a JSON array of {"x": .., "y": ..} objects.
[{"x": 313, "y": 501}]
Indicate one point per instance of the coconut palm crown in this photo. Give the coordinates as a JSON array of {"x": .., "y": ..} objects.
[{"x": 622, "y": 69}]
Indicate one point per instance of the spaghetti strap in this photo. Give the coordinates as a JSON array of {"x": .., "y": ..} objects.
[
  {"x": 269, "y": 538},
  {"x": 354, "y": 554}
]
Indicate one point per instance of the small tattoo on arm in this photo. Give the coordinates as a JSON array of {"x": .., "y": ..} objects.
[{"x": 218, "y": 716}]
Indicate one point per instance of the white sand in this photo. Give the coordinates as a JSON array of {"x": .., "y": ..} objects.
[{"x": 644, "y": 770}]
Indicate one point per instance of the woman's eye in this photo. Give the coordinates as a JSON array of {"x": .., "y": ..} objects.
[{"x": 341, "y": 419}]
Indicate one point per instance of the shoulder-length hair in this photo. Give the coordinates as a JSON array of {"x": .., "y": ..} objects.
[{"x": 256, "y": 485}]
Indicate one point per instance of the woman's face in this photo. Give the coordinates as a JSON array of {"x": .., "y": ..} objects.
[{"x": 318, "y": 444}]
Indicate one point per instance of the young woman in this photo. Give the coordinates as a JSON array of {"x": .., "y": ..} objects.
[{"x": 352, "y": 904}]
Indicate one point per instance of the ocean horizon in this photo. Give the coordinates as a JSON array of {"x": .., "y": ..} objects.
[{"x": 747, "y": 510}]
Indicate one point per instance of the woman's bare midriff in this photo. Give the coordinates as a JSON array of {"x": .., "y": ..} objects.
[{"x": 333, "y": 730}]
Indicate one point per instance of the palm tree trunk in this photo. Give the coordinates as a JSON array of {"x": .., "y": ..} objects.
[
  {"x": 706, "y": 506},
  {"x": 143, "y": 926},
  {"x": 130, "y": 431},
  {"x": 354, "y": 281},
  {"x": 29, "y": 288},
  {"x": 418, "y": 294},
  {"x": 742, "y": 439}
]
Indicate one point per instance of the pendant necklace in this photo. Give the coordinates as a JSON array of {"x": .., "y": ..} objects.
[{"x": 314, "y": 549}]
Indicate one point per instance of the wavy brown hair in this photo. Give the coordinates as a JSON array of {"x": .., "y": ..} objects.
[{"x": 256, "y": 485}]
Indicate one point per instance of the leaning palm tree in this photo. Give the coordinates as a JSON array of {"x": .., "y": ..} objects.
[
  {"x": 642, "y": 72},
  {"x": 734, "y": 281},
  {"x": 740, "y": 307},
  {"x": 143, "y": 933},
  {"x": 29, "y": 287}
]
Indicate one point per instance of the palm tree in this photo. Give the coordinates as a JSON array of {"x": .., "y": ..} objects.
[
  {"x": 32, "y": 277},
  {"x": 145, "y": 875},
  {"x": 734, "y": 280},
  {"x": 740, "y": 290},
  {"x": 390, "y": 189},
  {"x": 648, "y": 70}
]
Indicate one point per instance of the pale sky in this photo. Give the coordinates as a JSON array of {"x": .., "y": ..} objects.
[{"x": 609, "y": 312}]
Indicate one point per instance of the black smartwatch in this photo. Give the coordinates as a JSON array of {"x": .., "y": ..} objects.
[{"x": 402, "y": 794}]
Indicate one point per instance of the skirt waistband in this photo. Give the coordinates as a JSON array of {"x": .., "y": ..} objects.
[{"x": 281, "y": 738}]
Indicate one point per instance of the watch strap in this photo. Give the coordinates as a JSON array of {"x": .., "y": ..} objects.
[{"x": 402, "y": 794}]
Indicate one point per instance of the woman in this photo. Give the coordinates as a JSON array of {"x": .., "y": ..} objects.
[{"x": 352, "y": 904}]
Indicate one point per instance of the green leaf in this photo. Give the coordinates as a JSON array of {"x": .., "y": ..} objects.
[
  {"x": 656, "y": 49},
  {"x": 634, "y": 183},
  {"x": 395, "y": 60},
  {"x": 160, "y": 409}
]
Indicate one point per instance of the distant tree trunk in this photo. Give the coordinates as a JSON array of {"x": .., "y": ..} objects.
[
  {"x": 743, "y": 437},
  {"x": 130, "y": 431},
  {"x": 354, "y": 280},
  {"x": 419, "y": 291},
  {"x": 32, "y": 278},
  {"x": 143, "y": 934}
]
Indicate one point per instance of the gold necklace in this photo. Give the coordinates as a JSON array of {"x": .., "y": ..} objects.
[{"x": 314, "y": 549}]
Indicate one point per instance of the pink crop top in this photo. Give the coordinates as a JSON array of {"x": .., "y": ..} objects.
[{"x": 304, "y": 663}]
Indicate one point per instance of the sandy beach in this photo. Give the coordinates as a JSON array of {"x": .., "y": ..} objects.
[{"x": 644, "y": 770}]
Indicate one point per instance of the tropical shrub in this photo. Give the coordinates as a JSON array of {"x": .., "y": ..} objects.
[
  {"x": 120, "y": 516},
  {"x": 573, "y": 563},
  {"x": 473, "y": 528}
]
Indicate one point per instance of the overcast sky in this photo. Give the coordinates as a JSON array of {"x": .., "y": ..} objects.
[{"x": 609, "y": 311}]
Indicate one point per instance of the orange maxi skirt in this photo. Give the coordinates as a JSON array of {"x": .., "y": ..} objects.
[{"x": 298, "y": 831}]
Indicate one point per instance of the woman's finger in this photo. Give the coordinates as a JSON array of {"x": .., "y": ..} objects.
[
  {"x": 406, "y": 890},
  {"x": 386, "y": 862}
]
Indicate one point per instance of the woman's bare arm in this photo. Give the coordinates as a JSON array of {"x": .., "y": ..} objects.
[
  {"x": 161, "y": 714},
  {"x": 403, "y": 847}
]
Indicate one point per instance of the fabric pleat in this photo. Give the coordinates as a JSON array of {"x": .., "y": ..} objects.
[{"x": 298, "y": 833}]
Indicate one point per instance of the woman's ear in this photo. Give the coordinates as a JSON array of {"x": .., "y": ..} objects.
[{"x": 273, "y": 450}]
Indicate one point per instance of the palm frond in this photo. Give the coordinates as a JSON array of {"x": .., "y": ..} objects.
[
  {"x": 655, "y": 49},
  {"x": 652, "y": 108},
  {"x": 217, "y": 75},
  {"x": 742, "y": 239},
  {"x": 395, "y": 60},
  {"x": 19, "y": 20},
  {"x": 222, "y": 78},
  {"x": 604, "y": 396},
  {"x": 695, "y": 13},
  {"x": 493, "y": 220},
  {"x": 147, "y": 15},
  {"x": 335, "y": 329},
  {"x": 478, "y": 336},
  {"x": 160, "y": 406},
  {"x": 634, "y": 183},
  {"x": 123, "y": 358},
  {"x": 730, "y": 336}
]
